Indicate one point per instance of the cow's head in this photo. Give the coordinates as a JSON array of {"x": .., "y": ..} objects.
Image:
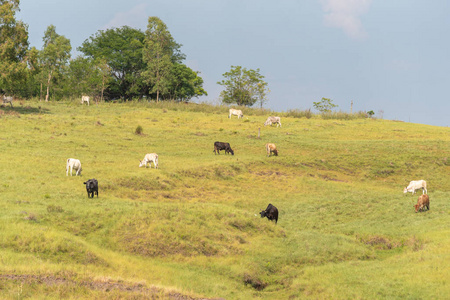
[
  {"x": 405, "y": 190},
  {"x": 231, "y": 151},
  {"x": 275, "y": 152},
  {"x": 141, "y": 163},
  {"x": 263, "y": 213},
  {"x": 417, "y": 207}
]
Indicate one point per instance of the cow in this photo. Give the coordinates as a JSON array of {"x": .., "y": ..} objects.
[
  {"x": 148, "y": 159},
  {"x": 235, "y": 112},
  {"x": 222, "y": 146},
  {"x": 85, "y": 99},
  {"x": 422, "y": 201},
  {"x": 73, "y": 164},
  {"x": 416, "y": 185},
  {"x": 91, "y": 187},
  {"x": 271, "y": 213},
  {"x": 271, "y": 120},
  {"x": 7, "y": 99},
  {"x": 271, "y": 148}
]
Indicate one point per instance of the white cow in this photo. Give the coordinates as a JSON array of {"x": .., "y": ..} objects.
[
  {"x": 236, "y": 112},
  {"x": 416, "y": 185},
  {"x": 8, "y": 99},
  {"x": 150, "y": 157},
  {"x": 271, "y": 120},
  {"x": 85, "y": 99},
  {"x": 73, "y": 164}
]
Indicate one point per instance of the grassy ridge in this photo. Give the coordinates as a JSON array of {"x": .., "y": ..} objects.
[{"x": 346, "y": 230}]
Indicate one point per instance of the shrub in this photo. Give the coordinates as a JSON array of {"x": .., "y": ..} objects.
[{"x": 139, "y": 130}]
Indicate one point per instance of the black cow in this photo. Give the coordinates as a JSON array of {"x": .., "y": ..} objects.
[
  {"x": 222, "y": 146},
  {"x": 91, "y": 187},
  {"x": 271, "y": 213}
]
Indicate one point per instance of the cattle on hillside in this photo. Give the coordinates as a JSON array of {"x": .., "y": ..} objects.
[
  {"x": 148, "y": 158},
  {"x": 271, "y": 212},
  {"x": 218, "y": 146},
  {"x": 85, "y": 99},
  {"x": 416, "y": 185},
  {"x": 73, "y": 164},
  {"x": 271, "y": 148},
  {"x": 236, "y": 112},
  {"x": 422, "y": 202},
  {"x": 272, "y": 120},
  {"x": 7, "y": 99},
  {"x": 91, "y": 187}
]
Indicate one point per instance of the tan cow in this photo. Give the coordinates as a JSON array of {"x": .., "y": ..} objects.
[
  {"x": 422, "y": 201},
  {"x": 148, "y": 159},
  {"x": 271, "y": 148},
  {"x": 85, "y": 99}
]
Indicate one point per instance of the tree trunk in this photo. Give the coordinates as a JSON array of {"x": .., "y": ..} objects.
[{"x": 48, "y": 85}]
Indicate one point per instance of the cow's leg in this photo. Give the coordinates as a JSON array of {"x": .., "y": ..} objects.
[{"x": 71, "y": 169}]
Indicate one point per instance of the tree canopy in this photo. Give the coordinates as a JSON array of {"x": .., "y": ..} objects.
[{"x": 243, "y": 87}]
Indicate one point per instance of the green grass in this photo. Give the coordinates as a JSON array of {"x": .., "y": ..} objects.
[{"x": 345, "y": 229}]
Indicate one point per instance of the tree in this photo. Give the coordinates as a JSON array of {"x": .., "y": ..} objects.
[
  {"x": 325, "y": 105},
  {"x": 370, "y": 113},
  {"x": 119, "y": 52},
  {"x": 243, "y": 87},
  {"x": 54, "y": 54},
  {"x": 185, "y": 83},
  {"x": 13, "y": 49},
  {"x": 160, "y": 53}
]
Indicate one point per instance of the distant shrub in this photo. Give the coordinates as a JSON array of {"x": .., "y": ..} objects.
[
  {"x": 340, "y": 115},
  {"x": 54, "y": 208},
  {"x": 297, "y": 113},
  {"x": 139, "y": 130}
]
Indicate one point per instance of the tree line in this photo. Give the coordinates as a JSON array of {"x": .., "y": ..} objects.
[{"x": 117, "y": 63}]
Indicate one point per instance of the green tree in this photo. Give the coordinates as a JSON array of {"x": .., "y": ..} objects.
[
  {"x": 243, "y": 87},
  {"x": 160, "y": 53},
  {"x": 185, "y": 83},
  {"x": 54, "y": 55},
  {"x": 118, "y": 52},
  {"x": 325, "y": 105},
  {"x": 13, "y": 49}
]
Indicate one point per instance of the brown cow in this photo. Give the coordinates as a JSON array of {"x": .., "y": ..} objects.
[
  {"x": 423, "y": 201},
  {"x": 271, "y": 148}
]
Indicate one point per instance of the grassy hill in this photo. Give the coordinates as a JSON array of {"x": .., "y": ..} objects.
[{"x": 191, "y": 228}]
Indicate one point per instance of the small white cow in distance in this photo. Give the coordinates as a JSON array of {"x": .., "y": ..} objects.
[
  {"x": 416, "y": 185},
  {"x": 271, "y": 120},
  {"x": 150, "y": 157},
  {"x": 236, "y": 112},
  {"x": 73, "y": 164},
  {"x": 7, "y": 99},
  {"x": 85, "y": 99}
]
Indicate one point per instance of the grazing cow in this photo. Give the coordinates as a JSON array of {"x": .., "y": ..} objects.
[
  {"x": 271, "y": 120},
  {"x": 85, "y": 99},
  {"x": 73, "y": 164},
  {"x": 416, "y": 185},
  {"x": 7, "y": 99},
  {"x": 222, "y": 146},
  {"x": 271, "y": 213},
  {"x": 236, "y": 112},
  {"x": 423, "y": 201},
  {"x": 148, "y": 159},
  {"x": 271, "y": 148},
  {"x": 91, "y": 187}
]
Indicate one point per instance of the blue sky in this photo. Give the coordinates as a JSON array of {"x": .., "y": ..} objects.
[{"x": 386, "y": 56}]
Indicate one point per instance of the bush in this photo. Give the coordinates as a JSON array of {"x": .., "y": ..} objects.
[{"x": 139, "y": 130}]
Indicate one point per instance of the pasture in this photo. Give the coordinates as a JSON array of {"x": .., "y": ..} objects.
[{"x": 188, "y": 229}]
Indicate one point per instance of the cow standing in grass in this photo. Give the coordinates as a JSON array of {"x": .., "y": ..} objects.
[
  {"x": 271, "y": 212},
  {"x": 271, "y": 120},
  {"x": 416, "y": 185},
  {"x": 236, "y": 112},
  {"x": 73, "y": 164},
  {"x": 7, "y": 99},
  {"x": 85, "y": 99},
  {"x": 271, "y": 148},
  {"x": 148, "y": 159},
  {"x": 222, "y": 146},
  {"x": 422, "y": 202},
  {"x": 91, "y": 187}
]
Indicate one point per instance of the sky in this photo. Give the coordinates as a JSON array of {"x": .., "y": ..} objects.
[{"x": 391, "y": 57}]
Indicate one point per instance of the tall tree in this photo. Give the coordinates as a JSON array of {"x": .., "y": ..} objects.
[
  {"x": 54, "y": 54},
  {"x": 185, "y": 83},
  {"x": 13, "y": 48},
  {"x": 120, "y": 50},
  {"x": 160, "y": 53},
  {"x": 243, "y": 87}
]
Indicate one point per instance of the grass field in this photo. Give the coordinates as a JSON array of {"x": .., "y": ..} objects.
[{"x": 191, "y": 228}]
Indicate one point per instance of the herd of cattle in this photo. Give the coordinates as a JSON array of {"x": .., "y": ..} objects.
[{"x": 271, "y": 212}]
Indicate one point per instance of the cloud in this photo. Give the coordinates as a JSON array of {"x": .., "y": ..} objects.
[
  {"x": 345, "y": 14},
  {"x": 136, "y": 18}
]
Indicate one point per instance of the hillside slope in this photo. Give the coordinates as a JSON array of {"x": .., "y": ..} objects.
[{"x": 191, "y": 228}]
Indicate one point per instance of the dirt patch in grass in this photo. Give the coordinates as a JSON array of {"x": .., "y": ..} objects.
[{"x": 107, "y": 285}]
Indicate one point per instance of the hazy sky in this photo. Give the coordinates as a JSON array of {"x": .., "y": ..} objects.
[{"x": 390, "y": 56}]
